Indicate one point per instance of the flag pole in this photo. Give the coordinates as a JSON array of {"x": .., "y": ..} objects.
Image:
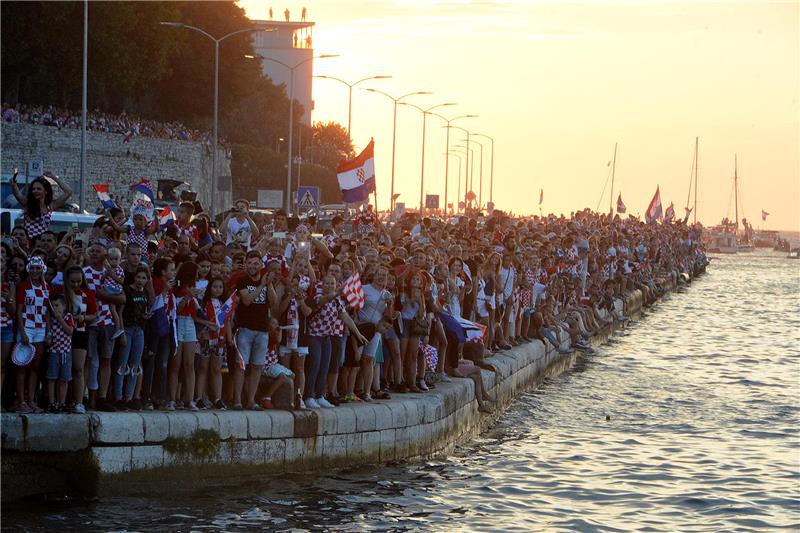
[{"x": 613, "y": 170}]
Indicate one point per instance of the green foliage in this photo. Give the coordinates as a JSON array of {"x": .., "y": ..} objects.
[{"x": 203, "y": 444}]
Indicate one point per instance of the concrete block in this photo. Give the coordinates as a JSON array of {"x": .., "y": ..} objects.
[
  {"x": 117, "y": 428},
  {"x": 365, "y": 417},
  {"x": 345, "y": 420},
  {"x": 414, "y": 415},
  {"x": 113, "y": 459},
  {"x": 306, "y": 423},
  {"x": 207, "y": 420},
  {"x": 250, "y": 452},
  {"x": 334, "y": 451},
  {"x": 259, "y": 424},
  {"x": 45, "y": 432},
  {"x": 433, "y": 404},
  {"x": 282, "y": 423},
  {"x": 303, "y": 453},
  {"x": 275, "y": 452},
  {"x": 371, "y": 446},
  {"x": 144, "y": 457},
  {"x": 156, "y": 426},
  {"x": 182, "y": 424},
  {"x": 388, "y": 445},
  {"x": 232, "y": 425},
  {"x": 354, "y": 449},
  {"x": 401, "y": 442},
  {"x": 327, "y": 421},
  {"x": 224, "y": 455},
  {"x": 383, "y": 415},
  {"x": 398, "y": 412}
]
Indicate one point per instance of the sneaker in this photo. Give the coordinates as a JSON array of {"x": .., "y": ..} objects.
[
  {"x": 303, "y": 404},
  {"x": 79, "y": 409},
  {"x": 266, "y": 403},
  {"x": 148, "y": 406},
  {"x": 52, "y": 408},
  {"x": 206, "y": 404},
  {"x": 322, "y": 402},
  {"x": 118, "y": 333},
  {"x": 254, "y": 407},
  {"x": 421, "y": 385},
  {"x": 219, "y": 404},
  {"x": 192, "y": 407},
  {"x": 444, "y": 378},
  {"x": 367, "y": 397},
  {"x": 170, "y": 406},
  {"x": 311, "y": 403}
]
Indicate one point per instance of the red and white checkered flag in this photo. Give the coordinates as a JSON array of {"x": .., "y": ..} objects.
[{"x": 353, "y": 291}]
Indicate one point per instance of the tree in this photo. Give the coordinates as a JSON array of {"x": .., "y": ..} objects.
[{"x": 328, "y": 145}]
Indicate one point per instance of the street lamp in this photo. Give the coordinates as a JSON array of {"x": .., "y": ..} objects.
[
  {"x": 350, "y": 94},
  {"x": 425, "y": 113},
  {"x": 447, "y": 152},
  {"x": 491, "y": 173},
  {"x": 468, "y": 173},
  {"x": 480, "y": 175},
  {"x": 466, "y": 165},
  {"x": 458, "y": 156},
  {"x": 394, "y": 131},
  {"x": 288, "y": 202},
  {"x": 217, "y": 42}
]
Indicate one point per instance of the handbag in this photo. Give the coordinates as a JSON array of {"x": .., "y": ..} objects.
[{"x": 420, "y": 326}]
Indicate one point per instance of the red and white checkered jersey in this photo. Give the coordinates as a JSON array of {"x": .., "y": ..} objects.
[
  {"x": 60, "y": 342},
  {"x": 277, "y": 259},
  {"x": 109, "y": 280},
  {"x": 94, "y": 280},
  {"x": 337, "y": 327},
  {"x": 138, "y": 237},
  {"x": 34, "y": 301},
  {"x": 189, "y": 230},
  {"x": 272, "y": 356},
  {"x": 324, "y": 321},
  {"x": 6, "y": 320},
  {"x": 36, "y": 226}
]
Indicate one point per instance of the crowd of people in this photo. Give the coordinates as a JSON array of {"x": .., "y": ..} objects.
[
  {"x": 238, "y": 312},
  {"x": 122, "y": 124}
]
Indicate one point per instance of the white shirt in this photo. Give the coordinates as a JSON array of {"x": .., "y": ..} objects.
[{"x": 239, "y": 232}]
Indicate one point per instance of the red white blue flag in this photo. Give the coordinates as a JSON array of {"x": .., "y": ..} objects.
[
  {"x": 226, "y": 310},
  {"x": 620, "y": 205},
  {"x": 102, "y": 193},
  {"x": 654, "y": 212},
  {"x": 166, "y": 218},
  {"x": 461, "y": 328},
  {"x": 764, "y": 215},
  {"x": 357, "y": 176},
  {"x": 670, "y": 214}
]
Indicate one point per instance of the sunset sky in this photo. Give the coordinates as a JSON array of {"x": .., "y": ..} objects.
[{"x": 557, "y": 84}]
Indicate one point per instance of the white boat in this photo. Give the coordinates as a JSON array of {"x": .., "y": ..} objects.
[{"x": 723, "y": 243}]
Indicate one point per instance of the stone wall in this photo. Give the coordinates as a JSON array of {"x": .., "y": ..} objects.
[
  {"x": 125, "y": 452},
  {"x": 111, "y": 161}
]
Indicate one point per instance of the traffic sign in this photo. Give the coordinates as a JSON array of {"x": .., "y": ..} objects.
[
  {"x": 308, "y": 197},
  {"x": 431, "y": 201},
  {"x": 399, "y": 207},
  {"x": 34, "y": 170}
]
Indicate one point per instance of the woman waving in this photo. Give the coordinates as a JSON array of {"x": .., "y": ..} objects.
[{"x": 38, "y": 203}]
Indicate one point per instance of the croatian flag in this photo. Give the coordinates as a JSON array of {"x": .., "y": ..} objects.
[
  {"x": 225, "y": 311},
  {"x": 653, "y": 212},
  {"x": 764, "y": 215},
  {"x": 353, "y": 291},
  {"x": 461, "y": 328},
  {"x": 670, "y": 214},
  {"x": 620, "y": 205},
  {"x": 357, "y": 176},
  {"x": 102, "y": 194},
  {"x": 144, "y": 187},
  {"x": 166, "y": 218}
]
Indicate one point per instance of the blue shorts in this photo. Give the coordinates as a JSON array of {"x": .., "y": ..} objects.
[
  {"x": 7, "y": 335},
  {"x": 59, "y": 366},
  {"x": 185, "y": 330},
  {"x": 252, "y": 346}
]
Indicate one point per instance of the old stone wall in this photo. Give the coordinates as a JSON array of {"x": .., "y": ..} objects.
[{"x": 112, "y": 161}]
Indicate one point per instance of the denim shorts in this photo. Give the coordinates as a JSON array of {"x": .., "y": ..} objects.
[
  {"x": 185, "y": 330},
  {"x": 252, "y": 346},
  {"x": 35, "y": 334},
  {"x": 7, "y": 335},
  {"x": 277, "y": 370},
  {"x": 59, "y": 366}
]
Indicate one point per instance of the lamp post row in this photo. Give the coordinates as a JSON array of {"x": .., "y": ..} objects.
[{"x": 292, "y": 68}]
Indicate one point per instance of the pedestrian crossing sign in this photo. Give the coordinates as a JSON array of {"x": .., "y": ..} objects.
[{"x": 308, "y": 197}]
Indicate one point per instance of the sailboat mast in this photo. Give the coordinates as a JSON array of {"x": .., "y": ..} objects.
[
  {"x": 613, "y": 170},
  {"x": 696, "y": 148},
  {"x": 736, "y": 188}
]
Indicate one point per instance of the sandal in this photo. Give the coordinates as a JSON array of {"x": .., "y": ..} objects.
[{"x": 382, "y": 395}]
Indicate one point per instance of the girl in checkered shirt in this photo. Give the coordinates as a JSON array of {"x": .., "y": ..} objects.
[
  {"x": 33, "y": 310},
  {"x": 113, "y": 279},
  {"x": 59, "y": 356}
]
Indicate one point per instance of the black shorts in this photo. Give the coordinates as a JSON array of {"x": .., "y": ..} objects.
[
  {"x": 80, "y": 340},
  {"x": 368, "y": 331}
]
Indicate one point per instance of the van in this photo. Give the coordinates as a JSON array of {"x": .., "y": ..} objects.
[{"x": 60, "y": 220}]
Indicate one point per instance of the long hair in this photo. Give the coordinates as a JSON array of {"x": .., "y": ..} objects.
[
  {"x": 32, "y": 204},
  {"x": 68, "y": 292},
  {"x": 207, "y": 295},
  {"x": 187, "y": 274}
]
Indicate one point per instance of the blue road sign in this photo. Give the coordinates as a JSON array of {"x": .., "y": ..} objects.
[{"x": 308, "y": 197}]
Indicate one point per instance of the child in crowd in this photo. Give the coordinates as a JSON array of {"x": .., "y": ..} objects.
[
  {"x": 212, "y": 348},
  {"x": 112, "y": 283},
  {"x": 279, "y": 374},
  {"x": 59, "y": 356}
]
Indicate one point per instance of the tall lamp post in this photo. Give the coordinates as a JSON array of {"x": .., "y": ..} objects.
[
  {"x": 288, "y": 202},
  {"x": 469, "y": 172},
  {"x": 458, "y": 156},
  {"x": 447, "y": 151},
  {"x": 425, "y": 113},
  {"x": 466, "y": 164},
  {"x": 394, "y": 130},
  {"x": 491, "y": 172},
  {"x": 350, "y": 94},
  {"x": 217, "y": 41},
  {"x": 480, "y": 174}
]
